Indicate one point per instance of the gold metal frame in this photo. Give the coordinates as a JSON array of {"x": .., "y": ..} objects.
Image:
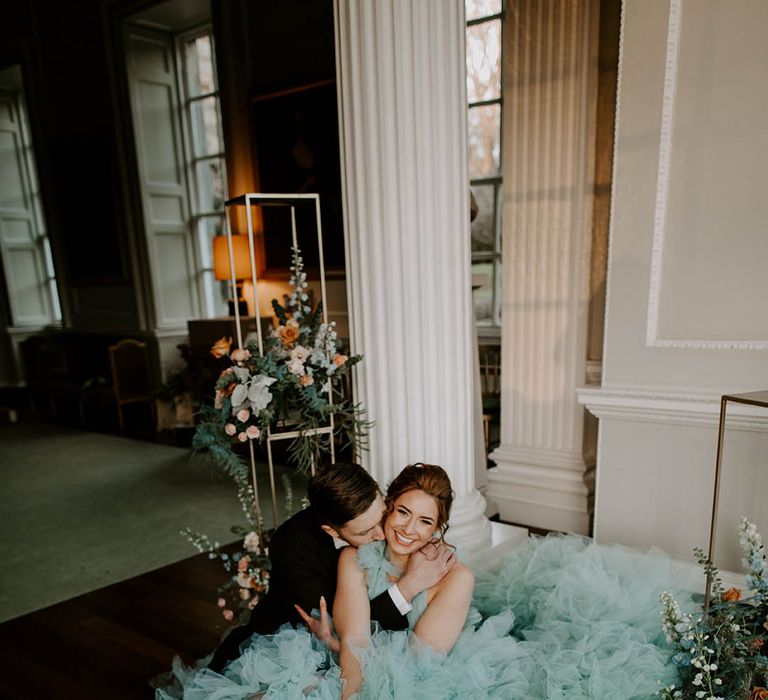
[
  {"x": 754, "y": 398},
  {"x": 250, "y": 200}
]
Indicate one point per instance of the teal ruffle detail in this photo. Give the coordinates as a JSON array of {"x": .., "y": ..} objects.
[
  {"x": 378, "y": 569},
  {"x": 560, "y": 619}
]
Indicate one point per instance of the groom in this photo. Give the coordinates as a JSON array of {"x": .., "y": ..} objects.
[{"x": 346, "y": 508}]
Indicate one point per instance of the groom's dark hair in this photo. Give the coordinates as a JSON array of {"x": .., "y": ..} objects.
[{"x": 340, "y": 492}]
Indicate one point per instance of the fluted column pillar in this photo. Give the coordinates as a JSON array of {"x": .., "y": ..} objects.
[
  {"x": 548, "y": 135},
  {"x": 401, "y": 79}
]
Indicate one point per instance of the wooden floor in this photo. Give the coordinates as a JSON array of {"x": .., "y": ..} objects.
[{"x": 109, "y": 643}]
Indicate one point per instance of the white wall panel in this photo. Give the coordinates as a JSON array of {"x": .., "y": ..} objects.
[{"x": 687, "y": 291}]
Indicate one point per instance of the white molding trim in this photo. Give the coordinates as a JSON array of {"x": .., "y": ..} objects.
[
  {"x": 551, "y": 458},
  {"x": 670, "y": 407},
  {"x": 662, "y": 175},
  {"x": 662, "y": 195}
]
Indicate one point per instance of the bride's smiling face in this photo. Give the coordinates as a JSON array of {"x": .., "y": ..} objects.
[{"x": 411, "y": 522}]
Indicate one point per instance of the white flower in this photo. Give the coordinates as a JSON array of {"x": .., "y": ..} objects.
[
  {"x": 299, "y": 353},
  {"x": 258, "y": 394},
  {"x": 296, "y": 367},
  {"x": 238, "y": 397},
  {"x": 252, "y": 543}
]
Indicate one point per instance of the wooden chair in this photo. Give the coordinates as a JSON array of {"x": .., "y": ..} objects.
[
  {"x": 490, "y": 386},
  {"x": 131, "y": 377}
]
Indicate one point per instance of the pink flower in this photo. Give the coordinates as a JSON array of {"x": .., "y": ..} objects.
[
  {"x": 243, "y": 415},
  {"x": 306, "y": 380},
  {"x": 240, "y": 355},
  {"x": 242, "y": 437},
  {"x": 252, "y": 543},
  {"x": 221, "y": 602},
  {"x": 228, "y": 615},
  {"x": 242, "y": 565},
  {"x": 252, "y": 432},
  {"x": 230, "y": 429}
]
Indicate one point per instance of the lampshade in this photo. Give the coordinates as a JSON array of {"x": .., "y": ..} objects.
[{"x": 221, "y": 258}]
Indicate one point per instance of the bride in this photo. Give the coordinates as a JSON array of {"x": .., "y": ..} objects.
[{"x": 418, "y": 506}]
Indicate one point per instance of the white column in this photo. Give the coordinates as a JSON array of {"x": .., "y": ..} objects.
[
  {"x": 401, "y": 79},
  {"x": 548, "y": 132}
]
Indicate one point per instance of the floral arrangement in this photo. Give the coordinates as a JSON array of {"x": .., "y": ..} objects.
[
  {"x": 719, "y": 652},
  {"x": 291, "y": 385},
  {"x": 296, "y": 385},
  {"x": 248, "y": 566}
]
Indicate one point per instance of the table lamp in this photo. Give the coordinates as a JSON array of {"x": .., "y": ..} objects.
[{"x": 221, "y": 269}]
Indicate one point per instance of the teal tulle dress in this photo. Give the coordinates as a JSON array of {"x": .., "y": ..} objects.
[{"x": 560, "y": 618}]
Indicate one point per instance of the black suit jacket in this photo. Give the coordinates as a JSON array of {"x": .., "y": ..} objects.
[{"x": 304, "y": 562}]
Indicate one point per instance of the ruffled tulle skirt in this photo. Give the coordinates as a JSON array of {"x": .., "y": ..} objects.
[{"x": 561, "y": 618}]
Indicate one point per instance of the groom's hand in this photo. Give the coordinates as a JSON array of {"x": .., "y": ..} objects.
[
  {"x": 321, "y": 627},
  {"x": 426, "y": 568}
]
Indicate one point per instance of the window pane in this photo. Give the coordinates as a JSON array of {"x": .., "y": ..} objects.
[
  {"x": 484, "y": 226},
  {"x": 199, "y": 64},
  {"x": 205, "y": 127},
  {"x": 208, "y": 227},
  {"x": 484, "y": 139},
  {"x": 481, "y": 8},
  {"x": 483, "y": 286},
  {"x": 210, "y": 185},
  {"x": 484, "y": 61}
]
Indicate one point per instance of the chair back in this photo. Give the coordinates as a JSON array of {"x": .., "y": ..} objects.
[{"x": 131, "y": 376}]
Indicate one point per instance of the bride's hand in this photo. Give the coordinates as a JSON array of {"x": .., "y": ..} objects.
[{"x": 321, "y": 627}]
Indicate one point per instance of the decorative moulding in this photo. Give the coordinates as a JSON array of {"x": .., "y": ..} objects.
[
  {"x": 662, "y": 196},
  {"x": 667, "y": 406}
]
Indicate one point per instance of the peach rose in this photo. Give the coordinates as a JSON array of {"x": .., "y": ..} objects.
[
  {"x": 242, "y": 437},
  {"x": 306, "y": 380},
  {"x": 221, "y": 347},
  {"x": 240, "y": 355},
  {"x": 243, "y": 415},
  {"x": 757, "y": 644},
  {"x": 230, "y": 429},
  {"x": 242, "y": 565},
  {"x": 289, "y": 333},
  {"x": 758, "y": 693},
  {"x": 339, "y": 360},
  {"x": 228, "y": 615},
  {"x": 243, "y": 580},
  {"x": 732, "y": 594},
  {"x": 244, "y": 594},
  {"x": 252, "y": 432},
  {"x": 221, "y": 602}
]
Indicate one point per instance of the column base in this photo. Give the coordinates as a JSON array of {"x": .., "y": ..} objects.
[
  {"x": 548, "y": 497},
  {"x": 470, "y": 529}
]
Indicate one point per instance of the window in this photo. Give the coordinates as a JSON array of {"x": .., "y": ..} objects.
[
  {"x": 24, "y": 247},
  {"x": 484, "y": 37},
  {"x": 206, "y": 164},
  {"x": 180, "y": 149}
]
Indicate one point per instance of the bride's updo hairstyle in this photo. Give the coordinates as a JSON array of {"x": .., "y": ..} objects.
[{"x": 432, "y": 480}]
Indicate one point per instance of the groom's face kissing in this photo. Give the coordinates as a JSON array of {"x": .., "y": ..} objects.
[
  {"x": 366, "y": 527},
  {"x": 412, "y": 522}
]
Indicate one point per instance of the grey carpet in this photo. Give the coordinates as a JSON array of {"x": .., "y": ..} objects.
[{"x": 79, "y": 511}]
